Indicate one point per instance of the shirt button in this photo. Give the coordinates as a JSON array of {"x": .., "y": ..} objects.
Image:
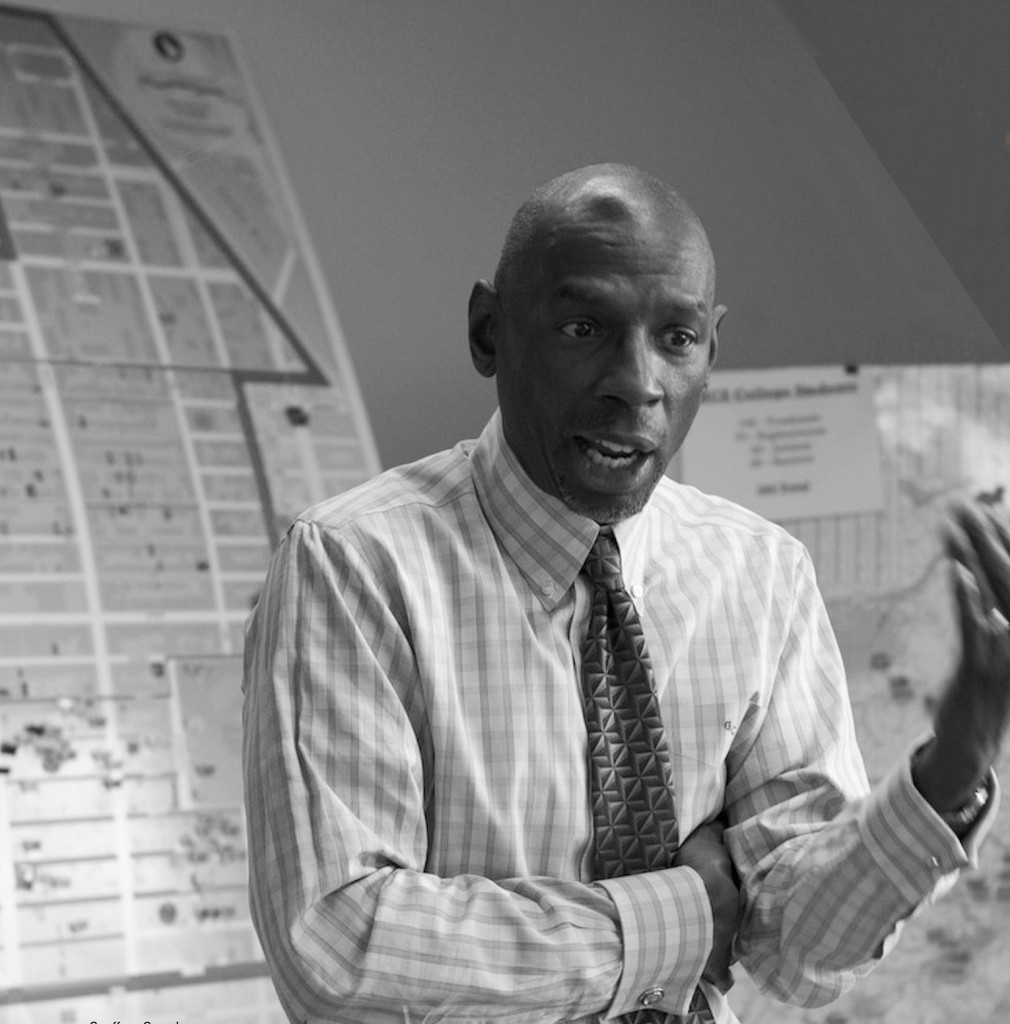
[
  {"x": 547, "y": 588},
  {"x": 651, "y": 996},
  {"x": 635, "y": 590}
]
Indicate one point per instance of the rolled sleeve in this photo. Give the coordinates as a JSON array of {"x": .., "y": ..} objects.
[{"x": 667, "y": 932}]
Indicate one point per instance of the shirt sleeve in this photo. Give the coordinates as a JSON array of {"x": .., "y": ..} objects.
[
  {"x": 352, "y": 925},
  {"x": 829, "y": 870}
]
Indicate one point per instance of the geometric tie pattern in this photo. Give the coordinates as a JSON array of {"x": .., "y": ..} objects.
[{"x": 634, "y": 816}]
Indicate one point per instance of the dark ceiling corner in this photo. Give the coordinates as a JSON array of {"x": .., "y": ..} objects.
[{"x": 927, "y": 82}]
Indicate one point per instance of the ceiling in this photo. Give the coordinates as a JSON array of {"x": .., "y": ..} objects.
[{"x": 927, "y": 83}]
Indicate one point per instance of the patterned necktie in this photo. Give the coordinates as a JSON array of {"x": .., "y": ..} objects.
[{"x": 634, "y": 818}]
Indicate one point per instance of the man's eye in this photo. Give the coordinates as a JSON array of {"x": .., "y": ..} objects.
[
  {"x": 680, "y": 337},
  {"x": 579, "y": 329}
]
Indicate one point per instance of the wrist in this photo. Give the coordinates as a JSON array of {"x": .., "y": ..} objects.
[
  {"x": 961, "y": 820},
  {"x": 947, "y": 780}
]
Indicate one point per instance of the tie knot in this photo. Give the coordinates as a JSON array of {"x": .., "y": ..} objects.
[{"x": 603, "y": 563}]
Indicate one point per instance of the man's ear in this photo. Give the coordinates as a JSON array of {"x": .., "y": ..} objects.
[
  {"x": 718, "y": 314},
  {"x": 485, "y": 323}
]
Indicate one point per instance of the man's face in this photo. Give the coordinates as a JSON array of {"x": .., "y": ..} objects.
[{"x": 602, "y": 358}]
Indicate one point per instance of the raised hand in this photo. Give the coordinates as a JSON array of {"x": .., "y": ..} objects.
[{"x": 973, "y": 713}]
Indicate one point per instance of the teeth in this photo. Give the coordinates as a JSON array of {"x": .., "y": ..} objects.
[
  {"x": 608, "y": 455},
  {"x": 613, "y": 450}
]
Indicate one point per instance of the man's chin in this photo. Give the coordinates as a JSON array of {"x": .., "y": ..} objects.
[
  {"x": 606, "y": 508},
  {"x": 604, "y": 494}
]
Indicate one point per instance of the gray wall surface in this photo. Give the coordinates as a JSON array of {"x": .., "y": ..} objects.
[{"x": 411, "y": 131}]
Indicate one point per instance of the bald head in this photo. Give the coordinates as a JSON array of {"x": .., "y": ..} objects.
[
  {"x": 600, "y": 330},
  {"x": 615, "y": 193}
]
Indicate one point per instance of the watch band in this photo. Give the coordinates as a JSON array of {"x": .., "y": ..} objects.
[{"x": 967, "y": 814}]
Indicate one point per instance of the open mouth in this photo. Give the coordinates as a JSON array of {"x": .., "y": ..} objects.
[{"x": 610, "y": 454}]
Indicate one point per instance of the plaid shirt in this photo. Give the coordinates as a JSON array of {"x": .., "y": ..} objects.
[{"x": 416, "y": 772}]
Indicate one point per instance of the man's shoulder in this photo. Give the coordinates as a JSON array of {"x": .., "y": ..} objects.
[
  {"x": 415, "y": 489},
  {"x": 687, "y": 506}
]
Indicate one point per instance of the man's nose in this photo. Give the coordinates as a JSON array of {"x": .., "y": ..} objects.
[{"x": 632, "y": 374}]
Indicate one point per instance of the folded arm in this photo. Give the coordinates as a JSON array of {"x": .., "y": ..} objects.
[{"x": 337, "y": 767}]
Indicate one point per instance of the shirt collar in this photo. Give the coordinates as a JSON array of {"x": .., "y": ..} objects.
[{"x": 547, "y": 541}]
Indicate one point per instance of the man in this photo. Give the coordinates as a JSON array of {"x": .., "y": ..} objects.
[{"x": 425, "y": 821}]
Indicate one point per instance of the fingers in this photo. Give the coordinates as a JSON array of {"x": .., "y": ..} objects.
[
  {"x": 971, "y": 605},
  {"x": 978, "y": 539},
  {"x": 973, "y": 712},
  {"x": 1000, "y": 525},
  {"x": 709, "y": 832},
  {"x": 722, "y": 979}
]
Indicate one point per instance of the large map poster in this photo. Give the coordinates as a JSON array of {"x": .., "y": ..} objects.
[
  {"x": 944, "y": 431},
  {"x": 173, "y": 388}
]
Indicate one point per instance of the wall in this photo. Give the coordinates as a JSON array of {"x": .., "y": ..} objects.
[
  {"x": 928, "y": 84},
  {"x": 411, "y": 132}
]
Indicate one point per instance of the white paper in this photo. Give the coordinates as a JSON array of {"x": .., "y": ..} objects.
[{"x": 787, "y": 443}]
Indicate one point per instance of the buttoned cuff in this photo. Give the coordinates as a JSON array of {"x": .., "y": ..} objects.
[
  {"x": 913, "y": 846},
  {"x": 667, "y": 932}
]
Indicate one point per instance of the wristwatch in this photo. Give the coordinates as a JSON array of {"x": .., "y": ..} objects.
[{"x": 966, "y": 815}]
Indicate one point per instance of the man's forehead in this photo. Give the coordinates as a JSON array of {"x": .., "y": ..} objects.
[
  {"x": 666, "y": 291},
  {"x": 601, "y": 232},
  {"x": 590, "y": 252}
]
